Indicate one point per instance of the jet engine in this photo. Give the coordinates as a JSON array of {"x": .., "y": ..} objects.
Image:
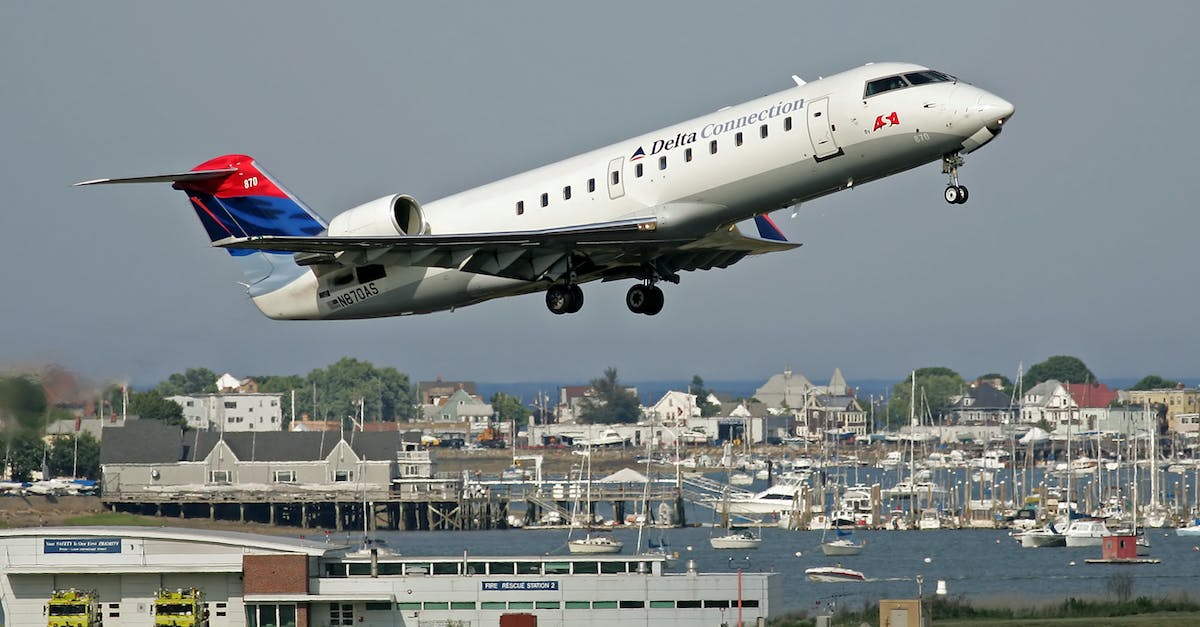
[{"x": 398, "y": 214}]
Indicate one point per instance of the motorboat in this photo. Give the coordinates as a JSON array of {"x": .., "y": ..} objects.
[
  {"x": 905, "y": 489},
  {"x": 1086, "y": 532},
  {"x": 1190, "y": 530},
  {"x": 930, "y": 519},
  {"x": 1041, "y": 537},
  {"x": 831, "y": 574},
  {"x": 595, "y": 544},
  {"x": 736, "y": 539},
  {"x": 781, "y": 497}
]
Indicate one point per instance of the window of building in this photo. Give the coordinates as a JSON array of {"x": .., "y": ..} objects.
[
  {"x": 218, "y": 476},
  {"x": 632, "y": 604},
  {"x": 437, "y": 605},
  {"x": 663, "y": 604},
  {"x": 612, "y": 567},
  {"x": 414, "y": 605},
  {"x": 567, "y": 193},
  {"x": 662, "y": 162},
  {"x": 520, "y": 207},
  {"x": 462, "y": 605},
  {"x": 190, "y": 403},
  {"x": 604, "y": 605},
  {"x": 547, "y": 605},
  {"x": 586, "y": 568},
  {"x": 284, "y": 476},
  {"x": 529, "y": 568},
  {"x": 493, "y": 605},
  {"x": 230, "y": 404},
  {"x": 591, "y": 186},
  {"x": 737, "y": 138},
  {"x": 787, "y": 123},
  {"x": 545, "y": 200},
  {"x": 637, "y": 170},
  {"x": 712, "y": 147},
  {"x": 381, "y": 606},
  {"x": 716, "y": 603},
  {"x": 520, "y": 605},
  {"x": 577, "y": 605},
  {"x": 343, "y": 475},
  {"x": 688, "y": 604}
]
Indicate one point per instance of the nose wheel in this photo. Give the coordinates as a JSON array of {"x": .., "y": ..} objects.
[
  {"x": 955, "y": 194},
  {"x": 644, "y": 299},
  {"x": 564, "y": 299}
]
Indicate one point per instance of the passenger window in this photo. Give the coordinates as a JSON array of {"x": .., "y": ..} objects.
[
  {"x": 545, "y": 200},
  {"x": 687, "y": 155},
  {"x": 520, "y": 207},
  {"x": 616, "y": 177},
  {"x": 737, "y": 138},
  {"x": 712, "y": 147},
  {"x": 787, "y": 123},
  {"x": 762, "y": 131},
  {"x": 637, "y": 170},
  {"x": 567, "y": 193},
  {"x": 591, "y": 185},
  {"x": 662, "y": 162}
]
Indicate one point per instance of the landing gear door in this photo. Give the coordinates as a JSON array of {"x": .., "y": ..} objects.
[
  {"x": 616, "y": 186},
  {"x": 820, "y": 130}
]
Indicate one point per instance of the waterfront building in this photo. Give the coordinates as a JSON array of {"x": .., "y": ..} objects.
[
  {"x": 261, "y": 581},
  {"x": 1171, "y": 406},
  {"x": 982, "y": 404}
]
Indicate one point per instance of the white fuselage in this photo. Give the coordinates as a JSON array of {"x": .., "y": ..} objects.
[{"x": 771, "y": 152}]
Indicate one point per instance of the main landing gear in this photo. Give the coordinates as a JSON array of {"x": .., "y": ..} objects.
[
  {"x": 563, "y": 299},
  {"x": 955, "y": 194},
  {"x": 644, "y": 298}
]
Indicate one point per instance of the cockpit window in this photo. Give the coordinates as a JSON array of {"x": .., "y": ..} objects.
[
  {"x": 880, "y": 85},
  {"x": 928, "y": 76}
]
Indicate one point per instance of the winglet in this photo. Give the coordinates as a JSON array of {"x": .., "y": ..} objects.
[
  {"x": 194, "y": 175},
  {"x": 767, "y": 229}
]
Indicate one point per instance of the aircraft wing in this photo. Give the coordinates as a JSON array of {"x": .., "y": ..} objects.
[{"x": 611, "y": 250}]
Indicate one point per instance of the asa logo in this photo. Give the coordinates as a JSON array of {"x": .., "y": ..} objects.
[{"x": 890, "y": 119}]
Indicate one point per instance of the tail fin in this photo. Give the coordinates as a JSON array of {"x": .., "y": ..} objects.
[{"x": 234, "y": 197}]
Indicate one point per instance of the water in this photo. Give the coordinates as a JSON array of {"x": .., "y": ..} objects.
[{"x": 985, "y": 566}]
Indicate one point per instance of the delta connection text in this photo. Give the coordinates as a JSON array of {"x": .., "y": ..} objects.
[{"x": 713, "y": 129}]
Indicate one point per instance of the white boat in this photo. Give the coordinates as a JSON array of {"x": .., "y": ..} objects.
[
  {"x": 930, "y": 519},
  {"x": 1086, "y": 532},
  {"x": 780, "y": 497},
  {"x": 736, "y": 539},
  {"x": 595, "y": 544},
  {"x": 609, "y": 437},
  {"x": 843, "y": 545},
  {"x": 741, "y": 478},
  {"x": 1190, "y": 530},
  {"x": 924, "y": 489},
  {"x": 1041, "y": 537},
  {"x": 828, "y": 574}
]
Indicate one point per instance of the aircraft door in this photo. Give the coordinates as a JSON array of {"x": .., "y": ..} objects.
[
  {"x": 616, "y": 186},
  {"x": 820, "y": 131}
]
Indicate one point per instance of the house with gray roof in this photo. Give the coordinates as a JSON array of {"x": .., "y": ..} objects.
[
  {"x": 150, "y": 457},
  {"x": 982, "y": 404}
]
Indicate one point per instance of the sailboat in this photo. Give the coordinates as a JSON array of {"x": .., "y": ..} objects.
[
  {"x": 843, "y": 545},
  {"x": 734, "y": 538},
  {"x": 591, "y": 544}
]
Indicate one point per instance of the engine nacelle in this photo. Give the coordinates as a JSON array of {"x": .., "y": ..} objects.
[{"x": 398, "y": 214}]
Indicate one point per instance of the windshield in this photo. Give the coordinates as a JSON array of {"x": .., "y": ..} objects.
[
  {"x": 175, "y": 609},
  {"x": 74, "y": 609},
  {"x": 901, "y": 81}
]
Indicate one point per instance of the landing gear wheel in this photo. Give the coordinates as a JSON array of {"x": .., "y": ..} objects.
[
  {"x": 558, "y": 299},
  {"x": 637, "y": 298},
  {"x": 576, "y": 294},
  {"x": 962, "y": 194},
  {"x": 952, "y": 194},
  {"x": 655, "y": 303}
]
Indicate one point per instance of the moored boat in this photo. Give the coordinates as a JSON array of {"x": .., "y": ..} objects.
[
  {"x": 829, "y": 574},
  {"x": 736, "y": 539},
  {"x": 1041, "y": 537},
  {"x": 595, "y": 545}
]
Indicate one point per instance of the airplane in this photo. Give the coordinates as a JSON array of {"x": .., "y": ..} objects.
[{"x": 677, "y": 199}]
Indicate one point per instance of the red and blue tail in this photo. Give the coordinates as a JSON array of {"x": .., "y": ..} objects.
[{"x": 234, "y": 197}]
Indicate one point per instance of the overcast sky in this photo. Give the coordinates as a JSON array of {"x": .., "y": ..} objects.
[{"x": 1078, "y": 238}]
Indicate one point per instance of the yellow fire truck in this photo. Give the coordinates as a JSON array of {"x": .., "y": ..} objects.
[
  {"x": 180, "y": 608},
  {"x": 74, "y": 608}
]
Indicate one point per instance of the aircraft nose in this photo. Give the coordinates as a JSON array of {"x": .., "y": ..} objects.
[{"x": 995, "y": 109}]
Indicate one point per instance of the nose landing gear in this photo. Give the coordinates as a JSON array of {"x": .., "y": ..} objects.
[
  {"x": 644, "y": 298},
  {"x": 955, "y": 194}
]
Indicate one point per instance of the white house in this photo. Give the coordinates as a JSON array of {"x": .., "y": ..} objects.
[{"x": 232, "y": 412}]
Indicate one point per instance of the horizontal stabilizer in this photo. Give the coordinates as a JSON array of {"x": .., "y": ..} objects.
[{"x": 199, "y": 175}]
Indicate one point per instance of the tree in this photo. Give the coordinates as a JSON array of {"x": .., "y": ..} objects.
[
  {"x": 510, "y": 408},
  {"x": 1154, "y": 382},
  {"x": 385, "y": 392},
  {"x": 612, "y": 403},
  {"x": 63, "y": 460},
  {"x": 151, "y": 406},
  {"x": 190, "y": 381},
  {"x": 1062, "y": 368},
  {"x": 701, "y": 393},
  {"x": 936, "y": 385},
  {"x": 25, "y": 454},
  {"x": 22, "y": 405}
]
